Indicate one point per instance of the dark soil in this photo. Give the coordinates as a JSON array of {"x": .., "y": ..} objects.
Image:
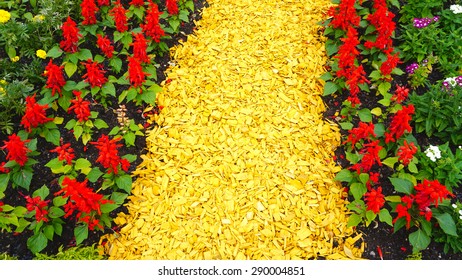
[{"x": 15, "y": 244}]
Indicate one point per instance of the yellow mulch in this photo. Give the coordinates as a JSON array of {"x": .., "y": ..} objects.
[{"x": 241, "y": 165}]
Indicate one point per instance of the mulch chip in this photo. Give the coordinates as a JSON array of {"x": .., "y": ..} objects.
[{"x": 240, "y": 166}]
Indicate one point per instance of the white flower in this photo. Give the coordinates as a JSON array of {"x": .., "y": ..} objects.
[
  {"x": 454, "y": 205},
  {"x": 460, "y": 217},
  {"x": 460, "y": 212},
  {"x": 433, "y": 153},
  {"x": 452, "y": 81},
  {"x": 456, "y": 9}
]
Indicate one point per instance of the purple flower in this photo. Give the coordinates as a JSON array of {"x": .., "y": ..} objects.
[
  {"x": 424, "y": 22},
  {"x": 410, "y": 69}
]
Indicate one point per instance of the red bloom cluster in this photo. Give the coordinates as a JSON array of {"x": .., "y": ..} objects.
[
  {"x": 151, "y": 26},
  {"x": 137, "y": 3},
  {"x": 55, "y": 77},
  {"x": 382, "y": 20},
  {"x": 104, "y": 2},
  {"x": 135, "y": 72},
  {"x": 406, "y": 152},
  {"x": 3, "y": 169},
  {"x": 374, "y": 200},
  {"x": 344, "y": 15},
  {"x": 81, "y": 199},
  {"x": 89, "y": 10},
  {"x": 95, "y": 73},
  {"x": 172, "y": 6},
  {"x": 81, "y": 107},
  {"x": 34, "y": 115},
  {"x": 1, "y": 204},
  {"x": 403, "y": 210},
  {"x": 430, "y": 192},
  {"x": 401, "y": 93},
  {"x": 17, "y": 149},
  {"x": 65, "y": 152},
  {"x": 400, "y": 123},
  {"x": 363, "y": 131},
  {"x": 109, "y": 155},
  {"x": 370, "y": 157},
  {"x": 39, "y": 206},
  {"x": 119, "y": 15},
  {"x": 105, "y": 45},
  {"x": 389, "y": 64},
  {"x": 140, "y": 45},
  {"x": 71, "y": 34}
]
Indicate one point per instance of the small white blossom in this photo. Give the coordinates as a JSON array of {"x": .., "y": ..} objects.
[
  {"x": 433, "y": 153},
  {"x": 452, "y": 81},
  {"x": 460, "y": 217},
  {"x": 460, "y": 212},
  {"x": 456, "y": 9},
  {"x": 454, "y": 205}
]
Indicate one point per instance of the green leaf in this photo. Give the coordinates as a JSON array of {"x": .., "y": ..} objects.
[
  {"x": 4, "y": 179},
  {"x": 326, "y": 77},
  {"x": 384, "y": 88},
  {"x": 99, "y": 124},
  {"x": 364, "y": 178},
  {"x": 109, "y": 89},
  {"x": 43, "y": 192},
  {"x": 118, "y": 197},
  {"x": 354, "y": 220},
  {"x": 129, "y": 138},
  {"x": 358, "y": 190},
  {"x": 70, "y": 68},
  {"x": 446, "y": 223},
  {"x": 83, "y": 165},
  {"x": 344, "y": 176},
  {"x": 402, "y": 185},
  {"x": 49, "y": 232},
  {"x": 37, "y": 243},
  {"x": 124, "y": 182},
  {"x": 419, "y": 240},
  {"x": 94, "y": 174},
  {"x": 53, "y": 136},
  {"x": 346, "y": 125},
  {"x": 384, "y": 216},
  {"x": 78, "y": 130},
  {"x": 116, "y": 64},
  {"x": 365, "y": 115},
  {"x": 80, "y": 233},
  {"x": 58, "y": 228},
  {"x": 330, "y": 88},
  {"x": 84, "y": 54},
  {"x": 114, "y": 130},
  {"x": 59, "y": 201},
  {"x": 54, "y": 52},
  {"x": 390, "y": 162},
  {"x": 23, "y": 178},
  {"x": 56, "y": 212},
  {"x": 175, "y": 24},
  {"x": 70, "y": 124},
  {"x": 85, "y": 138},
  {"x": 108, "y": 207},
  {"x": 412, "y": 167}
]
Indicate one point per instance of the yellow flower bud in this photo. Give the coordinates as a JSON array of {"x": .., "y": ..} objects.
[
  {"x": 15, "y": 59},
  {"x": 41, "y": 54},
  {"x": 4, "y": 16}
]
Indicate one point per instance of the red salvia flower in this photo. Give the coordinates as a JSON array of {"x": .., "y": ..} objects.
[
  {"x": 400, "y": 123},
  {"x": 403, "y": 210},
  {"x": 382, "y": 20},
  {"x": 401, "y": 93},
  {"x": 71, "y": 34},
  {"x": 125, "y": 164},
  {"x": 370, "y": 157},
  {"x": 104, "y": 3},
  {"x": 1, "y": 204},
  {"x": 34, "y": 115},
  {"x": 363, "y": 131},
  {"x": 135, "y": 72},
  {"x": 65, "y": 152},
  {"x": 344, "y": 15},
  {"x": 89, "y": 10},
  {"x": 17, "y": 149},
  {"x": 172, "y": 6},
  {"x": 55, "y": 77},
  {"x": 81, "y": 107},
  {"x": 3, "y": 169},
  {"x": 373, "y": 179},
  {"x": 108, "y": 153},
  {"x": 81, "y": 198},
  {"x": 38, "y": 205},
  {"x": 389, "y": 64},
  {"x": 151, "y": 26},
  {"x": 430, "y": 192},
  {"x": 119, "y": 15},
  {"x": 140, "y": 45},
  {"x": 105, "y": 45},
  {"x": 137, "y": 3},
  {"x": 95, "y": 73},
  {"x": 374, "y": 200},
  {"x": 406, "y": 152}
]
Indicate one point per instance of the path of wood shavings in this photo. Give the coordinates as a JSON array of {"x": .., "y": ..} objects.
[{"x": 241, "y": 166}]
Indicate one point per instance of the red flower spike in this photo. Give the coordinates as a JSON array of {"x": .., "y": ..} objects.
[
  {"x": 151, "y": 26},
  {"x": 17, "y": 149},
  {"x": 105, "y": 45},
  {"x": 137, "y": 3},
  {"x": 55, "y": 77},
  {"x": 430, "y": 192},
  {"x": 65, "y": 152},
  {"x": 3, "y": 169},
  {"x": 104, "y": 2},
  {"x": 172, "y": 6},
  {"x": 135, "y": 72},
  {"x": 71, "y": 34},
  {"x": 89, "y": 10},
  {"x": 363, "y": 131},
  {"x": 81, "y": 107},
  {"x": 140, "y": 45},
  {"x": 39, "y": 206},
  {"x": 34, "y": 115},
  {"x": 401, "y": 93},
  {"x": 119, "y": 15},
  {"x": 344, "y": 15},
  {"x": 374, "y": 200},
  {"x": 389, "y": 64},
  {"x": 95, "y": 73},
  {"x": 403, "y": 210},
  {"x": 406, "y": 152},
  {"x": 370, "y": 157},
  {"x": 108, "y": 153},
  {"x": 1, "y": 204},
  {"x": 400, "y": 123}
]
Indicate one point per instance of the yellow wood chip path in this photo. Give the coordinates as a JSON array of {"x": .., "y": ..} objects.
[{"x": 241, "y": 165}]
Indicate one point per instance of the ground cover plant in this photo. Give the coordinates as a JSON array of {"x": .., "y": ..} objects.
[
  {"x": 392, "y": 84},
  {"x": 72, "y": 127}
]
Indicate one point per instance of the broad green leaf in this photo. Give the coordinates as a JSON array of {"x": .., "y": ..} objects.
[
  {"x": 384, "y": 216},
  {"x": 70, "y": 68},
  {"x": 330, "y": 88},
  {"x": 49, "y": 232},
  {"x": 83, "y": 165},
  {"x": 402, "y": 185},
  {"x": 446, "y": 223},
  {"x": 80, "y": 233},
  {"x": 99, "y": 124},
  {"x": 54, "y": 52},
  {"x": 59, "y": 201},
  {"x": 365, "y": 115},
  {"x": 108, "y": 207},
  {"x": 94, "y": 174},
  {"x": 390, "y": 162},
  {"x": 358, "y": 190},
  {"x": 23, "y": 178},
  {"x": 56, "y": 212},
  {"x": 53, "y": 136},
  {"x": 419, "y": 240},
  {"x": 124, "y": 182},
  {"x": 354, "y": 220},
  {"x": 42, "y": 192},
  {"x": 37, "y": 243},
  {"x": 344, "y": 176}
]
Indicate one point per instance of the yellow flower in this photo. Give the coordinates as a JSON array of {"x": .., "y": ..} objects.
[
  {"x": 14, "y": 59},
  {"x": 4, "y": 16},
  {"x": 3, "y": 82},
  {"x": 2, "y": 90},
  {"x": 41, "y": 54},
  {"x": 38, "y": 18}
]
